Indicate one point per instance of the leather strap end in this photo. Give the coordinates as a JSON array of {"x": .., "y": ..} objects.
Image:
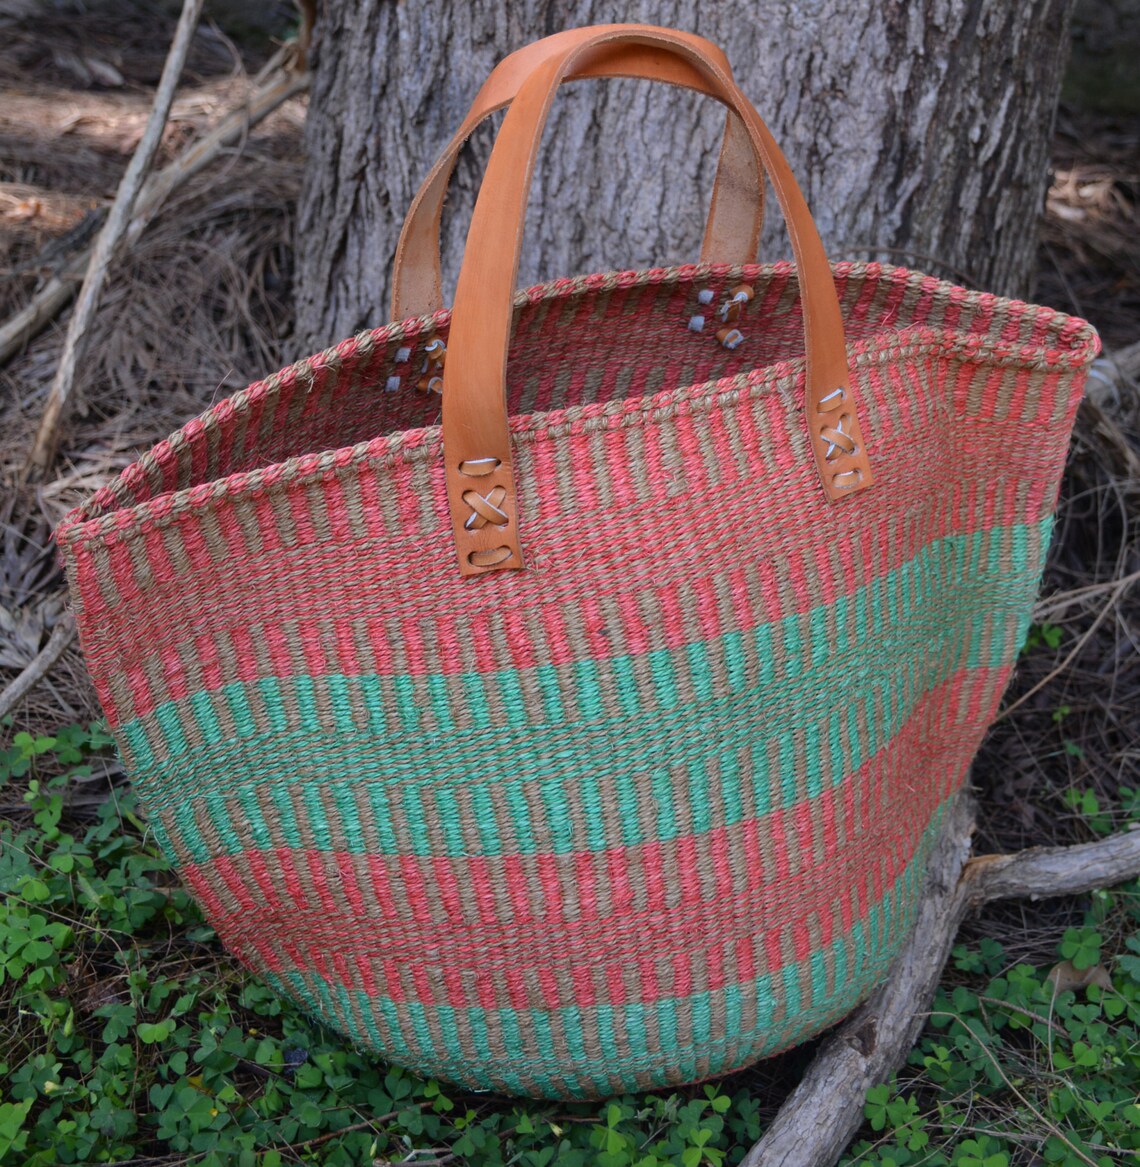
[
  {"x": 484, "y": 516},
  {"x": 838, "y": 446}
]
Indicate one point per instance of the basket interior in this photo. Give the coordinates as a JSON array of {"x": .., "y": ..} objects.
[{"x": 574, "y": 342}]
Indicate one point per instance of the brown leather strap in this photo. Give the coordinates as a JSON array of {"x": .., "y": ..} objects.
[
  {"x": 476, "y": 437},
  {"x": 736, "y": 213}
]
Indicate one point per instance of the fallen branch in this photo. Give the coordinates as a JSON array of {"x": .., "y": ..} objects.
[
  {"x": 108, "y": 240},
  {"x": 825, "y": 1109},
  {"x": 62, "y": 635},
  {"x": 279, "y": 82},
  {"x": 820, "y": 1116},
  {"x": 1040, "y": 872}
]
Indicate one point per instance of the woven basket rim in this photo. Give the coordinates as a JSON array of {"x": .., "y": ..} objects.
[{"x": 107, "y": 510}]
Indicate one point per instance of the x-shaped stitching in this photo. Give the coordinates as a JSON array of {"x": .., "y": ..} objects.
[
  {"x": 485, "y": 508},
  {"x": 837, "y": 439}
]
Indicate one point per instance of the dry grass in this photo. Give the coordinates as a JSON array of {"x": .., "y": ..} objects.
[
  {"x": 201, "y": 306},
  {"x": 1090, "y": 252}
]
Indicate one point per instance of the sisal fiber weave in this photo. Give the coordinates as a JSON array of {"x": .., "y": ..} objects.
[{"x": 613, "y": 822}]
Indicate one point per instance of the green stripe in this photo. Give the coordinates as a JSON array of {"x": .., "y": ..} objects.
[
  {"x": 547, "y": 1068},
  {"x": 637, "y": 751}
]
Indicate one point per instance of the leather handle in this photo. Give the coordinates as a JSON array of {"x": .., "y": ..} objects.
[
  {"x": 476, "y": 437},
  {"x": 736, "y": 212}
]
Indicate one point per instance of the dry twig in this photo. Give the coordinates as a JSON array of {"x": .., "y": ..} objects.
[
  {"x": 278, "y": 82},
  {"x": 1118, "y": 588},
  {"x": 62, "y": 635},
  {"x": 114, "y": 229}
]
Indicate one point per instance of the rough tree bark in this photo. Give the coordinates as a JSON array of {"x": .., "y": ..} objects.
[{"x": 919, "y": 132}]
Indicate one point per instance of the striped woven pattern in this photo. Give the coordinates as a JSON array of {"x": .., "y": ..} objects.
[{"x": 657, "y": 806}]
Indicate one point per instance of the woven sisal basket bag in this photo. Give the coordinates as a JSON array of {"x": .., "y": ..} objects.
[{"x": 595, "y": 736}]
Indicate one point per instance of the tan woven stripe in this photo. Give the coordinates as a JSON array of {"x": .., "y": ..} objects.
[
  {"x": 328, "y": 628},
  {"x": 342, "y": 384},
  {"x": 681, "y": 787},
  {"x": 1032, "y": 387},
  {"x": 176, "y": 551},
  {"x": 141, "y": 568},
  {"x": 233, "y": 452},
  {"x": 815, "y": 933},
  {"x": 577, "y": 634},
  {"x": 635, "y": 456},
  {"x": 348, "y": 483},
  {"x": 655, "y": 380},
  {"x": 494, "y": 700},
  {"x": 204, "y": 825},
  {"x": 429, "y": 517},
  {"x": 310, "y": 841},
  {"x": 939, "y": 302},
  {"x": 264, "y": 436},
  {"x": 221, "y": 709},
  {"x": 501, "y": 1053},
  {"x": 281, "y": 515},
  {"x": 104, "y": 575},
  {"x": 471, "y": 713},
  {"x": 363, "y": 647},
  {"x": 315, "y": 496},
  {"x": 689, "y": 607},
  {"x": 245, "y": 511},
  {"x": 153, "y": 481},
  {"x": 670, "y": 472},
  {"x": 388, "y": 513},
  {"x": 523, "y": 375},
  {"x": 437, "y": 1034},
  {"x": 180, "y": 855},
  {"x": 447, "y": 804},
  {"x": 527, "y": 678},
  {"x": 698, "y": 971},
  {"x": 180, "y": 455},
  {"x": 463, "y": 810},
  {"x": 622, "y": 383},
  {"x": 741, "y": 873},
  {"x": 429, "y": 722},
  {"x": 298, "y": 665},
  {"x": 614, "y": 625},
  {"x": 1060, "y": 402},
  {"x": 588, "y": 1018},
  {"x": 639, "y": 880},
  {"x": 716, "y": 466},
  {"x": 559, "y": 501},
  {"x": 291, "y": 402},
  {"x": 717, "y": 649},
  {"x": 217, "y": 437},
  {"x": 264, "y": 669}
]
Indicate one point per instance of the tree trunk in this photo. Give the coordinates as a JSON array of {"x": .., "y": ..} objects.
[{"x": 919, "y": 133}]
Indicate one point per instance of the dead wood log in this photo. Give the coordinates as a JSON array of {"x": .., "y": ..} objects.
[{"x": 820, "y": 1116}]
